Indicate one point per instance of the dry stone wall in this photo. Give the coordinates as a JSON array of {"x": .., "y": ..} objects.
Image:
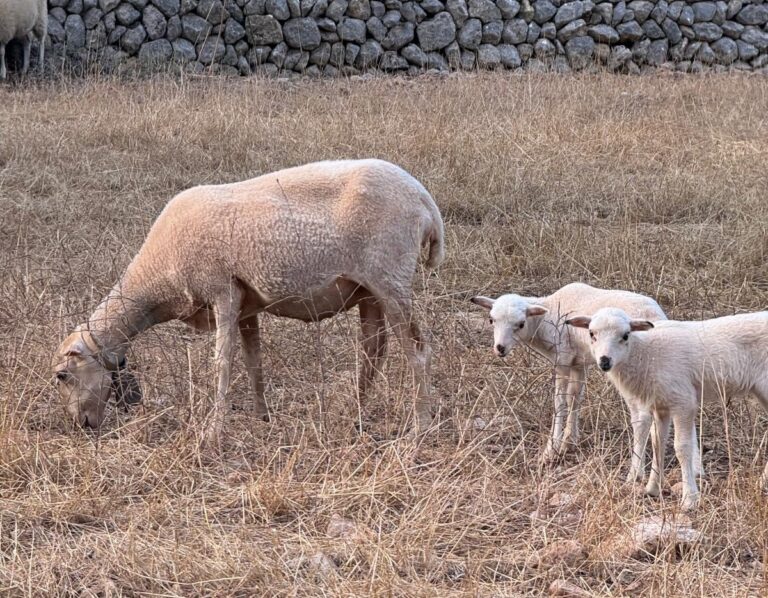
[{"x": 328, "y": 37}]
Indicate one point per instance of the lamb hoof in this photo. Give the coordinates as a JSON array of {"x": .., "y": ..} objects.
[
  {"x": 652, "y": 490},
  {"x": 634, "y": 477},
  {"x": 690, "y": 502}
]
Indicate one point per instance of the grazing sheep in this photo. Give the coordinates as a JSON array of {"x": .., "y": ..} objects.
[
  {"x": 538, "y": 322},
  {"x": 675, "y": 366},
  {"x": 305, "y": 243},
  {"x": 18, "y": 20}
]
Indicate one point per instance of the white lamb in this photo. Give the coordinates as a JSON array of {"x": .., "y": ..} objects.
[
  {"x": 306, "y": 243},
  {"x": 539, "y": 323},
  {"x": 673, "y": 367},
  {"x": 18, "y": 20}
]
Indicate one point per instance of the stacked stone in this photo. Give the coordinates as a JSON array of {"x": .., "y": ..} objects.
[{"x": 325, "y": 37}]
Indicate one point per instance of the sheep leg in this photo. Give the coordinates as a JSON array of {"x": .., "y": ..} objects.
[
  {"x": 574, "y": 395},
  {"x": 27, "y": 46},
  {"x": 684, "y": 444},
  {"x": 659, "y": 438},
  {"x": 249, "y": 335},
  {"x": 374, "y": 343},
  {"x": 554, "y": 444},
  {"x": 226, "y": 310},
  {"x": 42, "y": 32},
  {"x": 641, "y": 428},
  {"x": 2, "y": 62},
  {"x": 761, "y": 392},
  {"x": 417, "y": 351},
  {"x": 698, "y": 466}
]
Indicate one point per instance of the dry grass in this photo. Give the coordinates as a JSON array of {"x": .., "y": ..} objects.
[{"x": 654, "y": 184}]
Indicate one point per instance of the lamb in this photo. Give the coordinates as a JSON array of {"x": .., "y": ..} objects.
[
  {"x": 672, "y": 367},
  {"x": 18, "y": 20},
  {"x": 537, "y": 322},
  {"x": 306, "y": 243}
]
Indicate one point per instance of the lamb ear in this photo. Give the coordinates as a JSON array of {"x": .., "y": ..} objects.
[
  {"x": 485, "y": 302},
  {"x": 640, "y": 325},
  {"x": 579, "y": 321},
  {"x": 535, "y": 310},
  {"x": 126, "y": 388}
]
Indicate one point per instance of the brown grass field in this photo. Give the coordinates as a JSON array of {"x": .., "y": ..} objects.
[{"x": 656, "y": 183}]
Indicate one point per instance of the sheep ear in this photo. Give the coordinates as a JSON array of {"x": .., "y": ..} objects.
[
  {"x": 126, "y": 388},
  {"x": 485, "y": 302},
  {"x": 535, "y": 310},
  {"x": 640, "y": 325},
  {"x": 579, "y": 322}
]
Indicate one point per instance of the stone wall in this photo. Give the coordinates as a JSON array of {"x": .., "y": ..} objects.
[{"x": 348, "y": 36}]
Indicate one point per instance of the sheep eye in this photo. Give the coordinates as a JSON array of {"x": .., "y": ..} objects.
[
  {"x": 521, "y": 325},
  {"x": 625, "y": 337},
  {"x": 591, "y": 335},
  {"x": 490, "y": 320},
  {"x": 62, "y": 376}
]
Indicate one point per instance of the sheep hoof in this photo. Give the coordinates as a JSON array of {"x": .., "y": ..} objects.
[
  {"x": 635, "y": 476},
  {"x": 690, "y": 502},
  {"x": 652, "y": 489}
]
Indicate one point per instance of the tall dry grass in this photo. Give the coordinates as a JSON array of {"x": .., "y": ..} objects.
[{"x": 656, "y": 184}]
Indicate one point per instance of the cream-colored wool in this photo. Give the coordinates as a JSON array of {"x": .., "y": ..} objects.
[
  {"x": 306, "y": 242},
  {"x": 18, "y": 20}
]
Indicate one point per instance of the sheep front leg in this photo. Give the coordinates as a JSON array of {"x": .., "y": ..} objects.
[
  {"x": 27, "y": 46},
  {"x": 562, "y": 376},
  {"x": 641, "y": 428},
  {"x": 685, "y": 456},
  {"x": 661, "y": 421},
  {"x": 226, "y": 311},
  {"x": 249, "y": 335},
  {"x": 2, "y": 62}
]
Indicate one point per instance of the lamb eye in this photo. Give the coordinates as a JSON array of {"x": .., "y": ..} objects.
[
  {"x": 591, "y": 335},
  {"x": 625, "y": 337},
  {"x": 490, "y": 320},
  {"x": 521, "y": 325},
  {"x": 62, "y": 376}
]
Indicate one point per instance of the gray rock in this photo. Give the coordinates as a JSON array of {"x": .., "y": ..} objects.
[
  {"x": 605, "y": 12},
  {"x": 660, "y": 11},
  {"x": 211, "y": 50},
  {"x": 235, "y": 12},
  {"x": 55, "y": 30},
  {"x": 390, "y": 61},
  {"x": 570, "y": 11},
  {"x": 370, "y": 54},
  {"x": 707, "y": 32},
  {"x": 408, "y": 12},
  {"x": 620, "y": 55},
  {"x": 296, "y": 60},
  {"x": 438, "y": 32},
  {"x": 126, "y": 14},
  {"x": 301, "y": 33},
  {"x": 691, "y": 50},
  {"x": 194, "y": 28},
  {"x": 243, "y": 67},
  {"x": 687, "y": 32},
  {"x": 74, "y": 31},
  {"x": 470, "y": 35},
  {"x": 703, "y": 11},
  {"x": 186, "y": 6},
  {"x": 508, "y": 8},
  {"x": 676, "y": 52},
  {"x": 488, "y": 56},
  {"x": 509, "y": 56},
  {"x": 705, "y": 54},
  {"x": 139, "y": 3},
  {"x": 543, "y": 11},
  {"x": 258, "y": 55},
  {"x": 329, "y": 36},
  {"x": 544, "y": 49},
  {"x": 391, "y": 18},
  {"x": 320, "y": 55},
  {"x": 640, "y": 50},
  {"x": 376, "y": 29},
  {"x": 278, "y": 9},
  {"x": 515, "y": 31},
  {"x": 336, "y": 10},
  {"x": 672, "y": 31},
  {"x": 75, "y": 7},
  {"x": 752, "y": 35},
  {"x": 351, "y": 53},
  {"x": 652, "y": 29},
  {"x": 492, "y": 32},
  {"x": 305, "y": 7},
  {"x": 255, "y": 7},
  {"x": 233, "y": 31},
  {"x": 732, "y": 29},
  {"x": 168, "y": 7},
  {"x": 603, "y": 33},
  {"x": 242, "y": 47},
  {"x": 173, "y": 28},
  {"x": 183, "y": 50},
  {"x": 132, "y": 39},
  {"x": 548, "y": 31},
  {"x": 722, "y": 10},
  {"x": 213, "y": 11},
  {"x": 573, "y": 29},
  {"x": 262, "y": 30},
  {"x": 337, "y": 55},
  {"x": 726, "y": 50},
  {"x": 399, "y": 36},
  {"x": 359, "y": 9},
  {"x": 760, "y": 62},
  {"x": 686, "y": 16},
  {"x": 352, "y": 30},
  {"x": 453, "y": 54},
  {"x": 458, "y": 10},
  {"x": 579, "y": 51},
  {"x": 58, "y": 13},
  {"x": 746, "y": 51},
  {"x": 108, "y": 5},
  {"x": 629, "y": 32},
  {"x": 294, "y": 8},
  {"x": 96, "y": 38},
  {"x": 326, "y": 24},
  {"x": 657, "y": 52},
  {"x": 432, "y": 7},
  {"x": 377, "y": 8},
  {"x": 534, "y": 31},
  {"x": 154, "y": 24},
  {"x": 278, "y": 54},
  {"x": 156, "y": 51},
  {"x": 733, "y": 8},
  {"x": 414, "y": 55},
  {"x": 485, "y": 10},
  {"x": 525, "y": 51},
  {"x": 468, "y": 60},
  {"x": 642, "y": 9},
  {"x": 321, "y": 6},
  {"x": 92, "y": 17},
  {"x": 110, "y": 21},
  {"x": 619, "y": 10},
  {"x": 116, "y": 34},
  {"x": 753, "y": 14},
  {"x": 436, "y": 61}
]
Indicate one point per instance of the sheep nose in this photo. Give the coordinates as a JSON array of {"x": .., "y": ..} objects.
[
  {"x": 501, "y": 350},
  {"x": 605, "y": 363}
]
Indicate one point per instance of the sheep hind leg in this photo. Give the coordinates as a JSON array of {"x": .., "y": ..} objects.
[
  {"x": 684, "y": 441},
  {"x": 574, "y": 397},
  {"x": 226, "y": 309},
  {"x": 251, "y": 343},
  {"x": 416, "y": 347},
  {"x": 761, "y": 392},
  {"x": 2, "y": 62},
  {"x": 373, "y": 338},
  {"x": 27, "y": 46},
  {"x": 555, "y": 442}
]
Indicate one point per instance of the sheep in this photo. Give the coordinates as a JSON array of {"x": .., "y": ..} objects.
[
  {"x": 674, "y": 365},
  {"x": 18, "y": 20},
  {"x": 537, "y": 322},
  {"x": 306, "y": 243}
]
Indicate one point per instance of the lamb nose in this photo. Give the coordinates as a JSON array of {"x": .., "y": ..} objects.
[
  {"x": 605, "y": 363},
  {"x": 500, "y": 350}
]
